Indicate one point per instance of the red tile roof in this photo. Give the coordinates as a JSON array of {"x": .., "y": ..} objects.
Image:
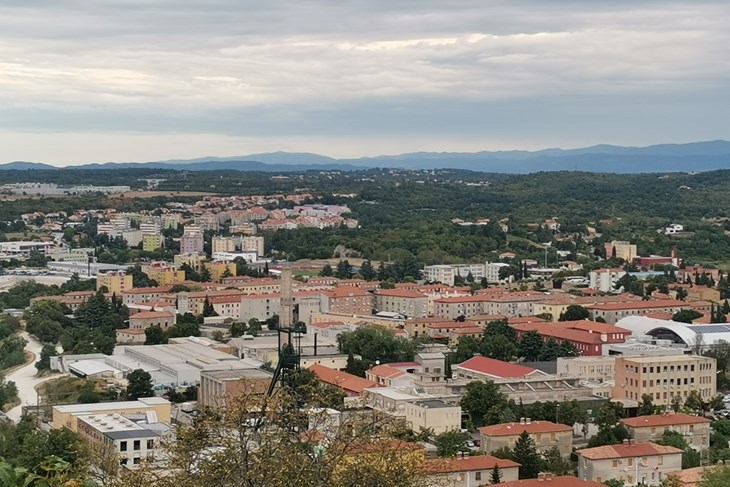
[
  {"x": 148, "y": 290},
  {"x": 467, "y": 464},
  {"x": 346, "y": 291},
  {"x": 152, "y": 315},
  {"x": 664, "y": 420},
  {"x": 565, "y": 481},
  {"x": 343, "y": 380},
  {"x": 400, "y": 293},
  {"x": 385, "y": 371},
  {"x": 496, "y": 368},
  {"x": 593, "y": 326},
  {"x": 533, "y": 427},
  {"x": 667, "y": 303},
  {"x": 623, "y": 451}
]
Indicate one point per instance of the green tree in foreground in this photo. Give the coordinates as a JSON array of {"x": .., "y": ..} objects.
[
  {"x": 525, "y": 453},
  {"x": 496, "y": 476},
  {"x": 44, "y": 362},
  {"x": 139, "y": 384},
  {"x": 717, "y": 477},
  {"x": 450, "y": 443}
]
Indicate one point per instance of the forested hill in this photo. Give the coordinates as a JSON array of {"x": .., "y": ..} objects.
[
  {"x": 696, "y": 156},
  {"x": 404, "y": 213}
]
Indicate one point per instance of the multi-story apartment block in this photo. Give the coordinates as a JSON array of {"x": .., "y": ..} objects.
[
  {"x": 612, "y": 312},
  {"x": 116, "y": 282},
  {"x": 453, "y": 307},
  {"x": 695, "y": 429},
  {"x": 621, "y": 250},
  {"x": 220, "y": 269},
  {"x": 191, "y": 240},
  {"x": 348, "y": 300},
  {"x": 589, "y": 337},
  {"x": 631, "y": 462},
  {"x": 408, "y": 303},
  {"x": 665, "y": 377},
  {"x": 133, "y": 443},
  {"x": 164, "y": 273},
  {"x": 605, "y": 280},
  {"x": 594, "y": 369},
  {"x": 436, "y": 415},
  {"x": 253, "y": 244},
  {"x": 143, "y": 295},
  {"x": 545, "y": 434},
  {"x": 223, "y": 244},
  {"x": 217, "y": 387},
  {"x": 151, "y": 242}
]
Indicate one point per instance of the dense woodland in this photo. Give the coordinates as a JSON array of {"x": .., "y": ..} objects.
[{"x": 408, "y": 213}]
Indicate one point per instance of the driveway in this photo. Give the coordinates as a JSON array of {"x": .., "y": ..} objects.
[{"x": 25, "y": 379}]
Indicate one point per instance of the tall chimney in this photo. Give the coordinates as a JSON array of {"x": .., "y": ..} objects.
[{"x": 286, "y": 312}]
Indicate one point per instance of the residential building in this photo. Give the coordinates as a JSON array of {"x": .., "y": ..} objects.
[
  {"x": 621, "y": 250},
  {"x": 146, "y": 319},
  {"x": 605, "y": 280},
  {"x": 481, "y": 368},
  {"x": 405, "y": 302},
  {"x": 151, "y": 242},
  {"x": 217, "y": 387},
  {"x": 253, "y": 244},
  {"x": 65, "y": 415},
  {"x": 191, "y": 240},
  {"x": 468, "y": 471},
  {"x": 223, "y": 244},
  {"x": 588, "y": 337},
  {"x": 550, "y": 480},
  {"x": 219, "y": 269},
  {"x": 163, "y": 273},
  {"x": 453, "y": 307},
  {"x": 612, "y": 312},
  {"x": 133, "y": 439},
  {"x": 347, "y": 300},
  {"x": 192, "y": 260},
  {"x": 352, "y": 385},
  {"x": 142, "y": 295},
  {"x": 435, "y": 415},
  {"x": 595, "y": 369},
  {"x": 665, "y": 377},
  {"x": 545, "y": 434},
  {"x": 694, "y": 429},
  {"x": 631, "y": 462},
  {"x": 116, "y": 282}
]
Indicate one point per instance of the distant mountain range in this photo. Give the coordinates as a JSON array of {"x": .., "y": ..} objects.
[{"x": 691, "y": 157}]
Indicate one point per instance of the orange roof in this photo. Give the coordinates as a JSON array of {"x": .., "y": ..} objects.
[
  {"x": 592, "y": 326},
  {"x": 346, "y": 292},
  {"x": 451, "y": 325},
  {"x": 565, "y": 481},
  {"x": 496, "y": 368},
  {"x": 562, "y": 333},
  {"x": 467, "y": 464},
  {"x": 151, "y": 315},
  {"x": 663, "y": 420},
  {"x": 471, "y": 330},
  {"x": 400, "y": 293},
  {"x": 533, "y": 427},
  {"x": 343, "y": 380},
  {"x": 623, "y": 451},
  {"x": 224, "y": 299},
  {"x": 666, "y": 303},
  {"x": 525, "y": 319},
  {"x": 147, "y": 290},
  {"x": 385, "y": 372}
]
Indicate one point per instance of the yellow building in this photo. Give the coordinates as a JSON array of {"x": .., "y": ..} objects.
[
  {"x": 150, "y": 243},
  {"x": 115, "y": 281},
  {"x": 625, "y": 250},
  {"x": 665, "y": 378},
  {"x": 65, "y": 416},
  {"x": 164, "y": 273},
  {"x": 218, "y": 268}
]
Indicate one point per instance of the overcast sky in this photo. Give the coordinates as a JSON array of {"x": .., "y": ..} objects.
[{"x": 140, "y": 80}]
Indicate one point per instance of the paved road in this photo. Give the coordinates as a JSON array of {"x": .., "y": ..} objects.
[{"x": 25, "y": 379}]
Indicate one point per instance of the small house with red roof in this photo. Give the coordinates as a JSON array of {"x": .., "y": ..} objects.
[
  {"x": 545, "y": 434},
  {"x": 631, "y": 462},
  {"x": 484, "y": 368},
  {"x": 351, "y": 384},
  {"x": 468, "y": 471},
  {"x": 694, "y": 429}
]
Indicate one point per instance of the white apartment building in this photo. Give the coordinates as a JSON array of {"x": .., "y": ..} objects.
[{"x": 605, "y": 280}]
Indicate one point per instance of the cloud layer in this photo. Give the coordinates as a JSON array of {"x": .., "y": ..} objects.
[{"x": 355, "y": 77}]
